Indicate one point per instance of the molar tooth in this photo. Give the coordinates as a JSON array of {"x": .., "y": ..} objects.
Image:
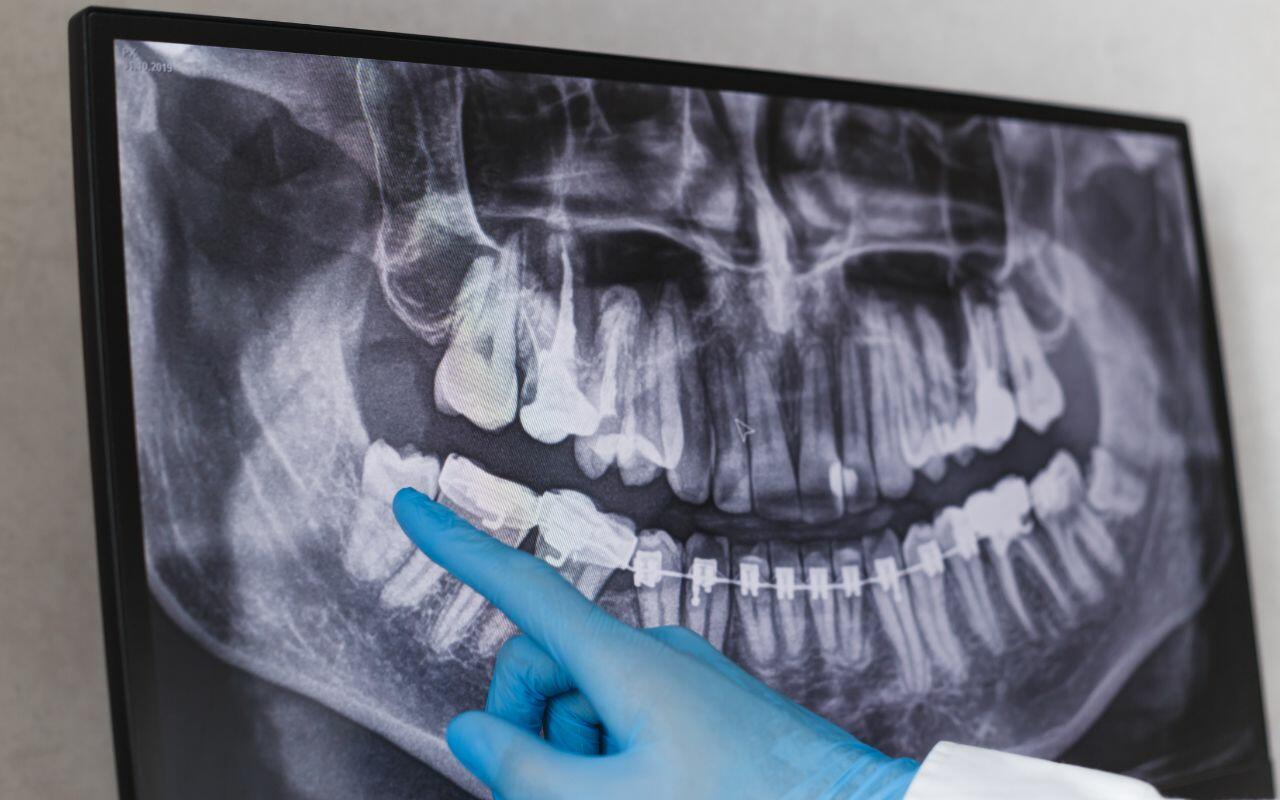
[
  {"x": 731, "y": 480},
  {"x": 754, "y": 610},
  {"x": 1012, "y": 495},
  {"x": 477, "y": 375},
  {"x": 1115, "y": 489},
  {"x": 893, "y": 473},
  {"x": 956, "y": 535},
  {"x": 790, "y": 604},
  {"x": 690, "y": 475},
  {"x": 821, "y": 479},
  {"x": 897, "y": 617},
  {"x": 659, "y": 603},
  {"x": 1036, "y": 389},
  {"x": 706, "y": 607},
  {"x": 822, "y": 597},
  {"x": 412, "y": 582},
  {"x": 928, "y": 586},
  {"x": 859, "y": 475},
  {"x": 773, "y": 478},
  {"x": 553, "y": 406},
  {"x": 376, "y": 546},
  {"x": 1058, "y": 495},
  {"x": 608, "y": 382},
  {"x": 994, "y": 412},
  {"x": 848, "y": 601}
]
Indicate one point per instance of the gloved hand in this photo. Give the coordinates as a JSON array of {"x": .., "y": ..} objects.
[{"x": 582, "y": 705}]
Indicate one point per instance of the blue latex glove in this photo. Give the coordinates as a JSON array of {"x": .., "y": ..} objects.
[{"x": 583, "y": 705}]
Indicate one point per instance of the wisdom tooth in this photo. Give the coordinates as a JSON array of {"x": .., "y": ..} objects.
[
  {"x": 709, "y": 614},
  {"x": 553, "y": 407},
  {"x": 858, "y": 473},
  {"x": 477, "y": 375},
  {"x": 660, "y": 602},
  {"x": 929, "y": 590},
  {"x": 897, "y": 617},
  {"x": 773, "y": 479},
  {"x": 994, "y": 413},
  {"x": 376, "y": 546},
  {"x": 1058, "y": 495},
  {"x": 1114, "y": 488},
  {"x": 955, "y": 534},
  {"x": 1036, "y": 388},
  {"x": 614, "y": 354},
  {"x": 755, "y": 611},
  {"x": 821, "y": 498},
  {"x": 785, "y": 558},
  {"x": 847, "y": 560},
  {"x": 893, "y": 473},
  {"x": 690, "y": 476},
  {"x": 731, "y": 482},
  {"x": 822, "y": 602}
]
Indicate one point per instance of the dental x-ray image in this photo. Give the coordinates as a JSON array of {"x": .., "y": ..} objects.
[{"x": 910, "y": 413}]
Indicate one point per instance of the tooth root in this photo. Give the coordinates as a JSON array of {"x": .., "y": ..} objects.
[
  {"x": 1058, "y": 495},
  {"x": 956, "y": 535},
  {"x": 1092, "y": 531},
  {"x": 893, "y": 474},
  {"x": 553, "y": 407},
  {"x": 658, "y": 596},
  {"x": 994, "y": 412},
  {"x": 893, "y": 604},
  {"x": 820, "y": 472},
  {"x": 731, "y": 482},
  {"x": 773, "y": 479},
  {"x": 608, "y": 382},
  {"x": 822, "y": 595},
  {"x": 854, "y": 649},
  {"x": 1114, "y": 488},
  {"x": 653, "y": 428},
  {"x": 1036, "y": 389},
  {"x": 788, "y": 578},
  {"x": 948, "y": 426},
  {"x": 917, "y": 437},
  {"x": 376, "y": 546},
  {"x": 754, "y": 607},
  {"x": 707, "y": 599},
  {"x": 928, "y": 588},
  {"x": 690, "y": 477},
  {"x": 412, "y": 582},
  {"x": 996, "y": 524},
  {"x": 860, "y": 487},
  {"x": 477, "y": 375}
]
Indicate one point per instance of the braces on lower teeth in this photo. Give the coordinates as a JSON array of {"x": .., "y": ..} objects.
[{"x": 572, "y": 529}]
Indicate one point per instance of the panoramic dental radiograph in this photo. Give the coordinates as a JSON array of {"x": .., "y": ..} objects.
[{"x": 906, "y": 412}]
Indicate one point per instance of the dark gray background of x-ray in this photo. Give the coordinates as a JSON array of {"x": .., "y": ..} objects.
[{"x": 1213, "y": 64}]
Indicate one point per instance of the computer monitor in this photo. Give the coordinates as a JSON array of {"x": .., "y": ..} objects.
[{"x": 909, "y": 402}]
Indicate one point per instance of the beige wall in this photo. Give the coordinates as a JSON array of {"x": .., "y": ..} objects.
[{"x": 1214, "y": 63}]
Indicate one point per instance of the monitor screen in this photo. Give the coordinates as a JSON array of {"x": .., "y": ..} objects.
[{"x": 912, "y": 411}]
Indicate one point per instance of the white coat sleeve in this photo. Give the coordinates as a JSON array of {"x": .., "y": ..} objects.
[{"x": 958, "y": 772}]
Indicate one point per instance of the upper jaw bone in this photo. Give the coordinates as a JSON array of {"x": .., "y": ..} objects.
[{"x": 477, "y": 375}]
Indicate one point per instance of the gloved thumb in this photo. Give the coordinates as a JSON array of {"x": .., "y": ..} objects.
[{"x": 510, "y": 760}]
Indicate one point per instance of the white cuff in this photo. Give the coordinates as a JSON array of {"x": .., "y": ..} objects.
[{"x": 957, "y": 772}]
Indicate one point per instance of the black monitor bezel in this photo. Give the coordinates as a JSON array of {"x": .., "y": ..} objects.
[{"x": 92, "y": 33}]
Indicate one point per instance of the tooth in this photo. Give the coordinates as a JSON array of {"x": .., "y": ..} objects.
[
  {"x": 613, "y": 361},
  {"x": 956, "y": 536},
  {"x": 922, "y": 551},
  {"x": 553, "y": 407},
  {"x": 913, "y": 396},
  {"x": 948, "y": 425},
  {"x": 658, "y": 595},
  {"x": 652, "y": 429},
  {"x": 376, "y": 546},
  {"x": 855, "y": 431},
  {"x": 1058, "y": 496},
  {"x": 1114, "y": 488},
  {"x": 731, "y": 482},
  {"x": 790, "y": 603},
  {"x": 1036, "y": 388},
  {"x": 477, "y": 375},
  {"x": 706, "y": 604},
  {"x": 412, "y": 582},
  {"x": 994, "y": 413},
  {"x": 821, "y": 477},
  {"x": 893, "y": 474},
  {"x": 848, "y": 598},
  {"x": 893, "y": 603},
  {"x": 572, "y": 530},
  {"x": 822, "y": 595},
  {"x": 773, "y": 479},
  {"x": 690, "y": 477},
  {"x": 754, "y": 607}
]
